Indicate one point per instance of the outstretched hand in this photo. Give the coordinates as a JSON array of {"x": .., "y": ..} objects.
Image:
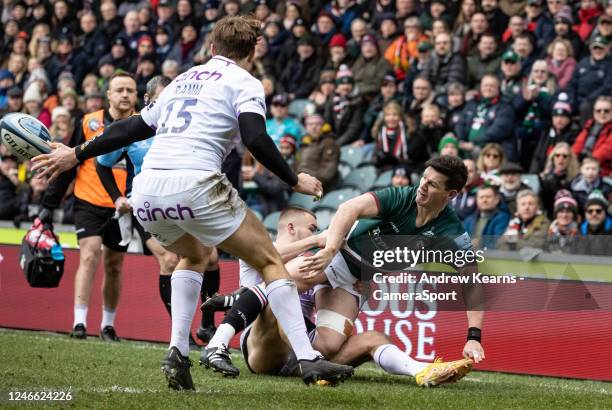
[
  {"x": 308, "y": 185},
  {"x": 60, "y": 159}
]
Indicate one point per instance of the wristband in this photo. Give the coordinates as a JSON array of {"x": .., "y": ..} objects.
[{"x": 474, "y": 334}]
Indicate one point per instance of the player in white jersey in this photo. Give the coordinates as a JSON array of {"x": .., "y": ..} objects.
[{"x": 183, "y": 199}]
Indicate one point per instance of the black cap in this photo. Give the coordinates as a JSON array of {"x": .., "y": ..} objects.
[
  {"x": 299, "y": 22},
  {"x": 107, "y": 59},
  {"x": 510, "y": 168},
  {"x": 14, "y": 92},
  {"x": 306, "y": 39},
  {"x": 65, "y": 35},
  {"x": 280, "y": 99},
  {"x": 120, "y": 41},
  {"x": 148, "y": 57},
  {"x": 400, "y": 171},
  {"x": 164, "y": 3}
]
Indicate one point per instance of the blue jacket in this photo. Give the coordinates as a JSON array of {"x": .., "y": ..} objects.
[
  {"x": 495, "y": 226},
  {"x": 590, "y": 80}
]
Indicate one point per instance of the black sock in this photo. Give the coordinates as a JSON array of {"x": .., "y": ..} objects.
[
  {"x": 210, "y": 286},
  {"x": 246, "y": 309},
  {"x": 165, "y": 291}
]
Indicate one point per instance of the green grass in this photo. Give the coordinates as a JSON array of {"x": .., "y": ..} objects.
[
  {"x": 13, "y": 236},
  {"x": 127, "y": 375}
]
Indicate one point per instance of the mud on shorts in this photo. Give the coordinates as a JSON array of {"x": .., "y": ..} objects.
[{"x": 170, "y": 203}]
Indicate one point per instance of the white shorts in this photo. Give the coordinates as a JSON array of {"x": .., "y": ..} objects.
[
  {"x": 249, "y": 277},
  {"x": 339, "y": 275},
  {"x": 170, "y": 203}
]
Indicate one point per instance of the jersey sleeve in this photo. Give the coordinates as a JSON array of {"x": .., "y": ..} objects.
[
  {"x": 250, "y": 98},
  {"x": 151, "y": 113},
  {"x": 110, "y": 159},
  {"x": 391, "y": 200}
]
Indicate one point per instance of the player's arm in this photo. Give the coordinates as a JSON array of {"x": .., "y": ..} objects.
[
  {"x": 289, "y": 251},
  {"x": 363, "y": 206},
  {"x": 117, "y": 135},
  {"x": 105, "y": 173},
  {"x": 473, "y": 297},
  {"x": 258, "y": 142}
]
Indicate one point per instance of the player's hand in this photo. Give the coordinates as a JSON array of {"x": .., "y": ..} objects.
[
  {"x": 309, "y": 185},
  {"x": 61, "y": 159},
  {"x": 122, "y": 205},
  {"x": 473, "y": 350},
  {"x": 322, "y": 239},
  {"x": 315, "y": 264}
]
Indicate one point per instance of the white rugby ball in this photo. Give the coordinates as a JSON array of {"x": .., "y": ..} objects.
[{"x": 24, "y": 135}]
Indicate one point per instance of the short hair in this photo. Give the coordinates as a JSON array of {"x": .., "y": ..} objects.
[
  {"x": 527, "y": 192},
  {"x": 455, "y": 87},
  {"x": 452, "y": 168},
  {"x": 492, "y": 187},
  {"x": 170, "y": 64},
  {"x": 120, "y": 74},
  {"x": 292, "y": 210},
  {"x": 157, "y": 81},
  {"x": 591, "y": 160},
  {"x": 235, "y": 37}
]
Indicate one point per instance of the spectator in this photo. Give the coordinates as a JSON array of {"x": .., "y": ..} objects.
[
  {"x": 597, "y": 227},
  {"x": 510, "y": 75},
  {"x": 7, "y": 81},
  {"x": 496, "y": 18},
  {"x": 270, "y": 193},
  {"x": 486, "y": 61},
  {"x": 416, "y": 68},
  {"x": 388, "y": 92},
  {"x": 405, "y": 48},
  {"x": 289, "y": 50},
  {"x": 529, "y": 227},
  {"x": 511, "y": 184},
  {"x": 186, "y": 47},
  {"x": 516, "y": 27},
  {"x": 70, "y": 100},
  {"x": 275, "y": 36},
  {"x": 487, "y": 119},
  {"x": 325, "y": 27},
  {"x": 14, "y": 101},
  {"x": 455, "y": 105},
  {"x": 603, "y": 28},
  {"x": 162, "y": 43},
  {"x": 560, "y": 170},
  {"x": 490, "y": 219},
  {"x": 490, "y": 160},
  {"x": 32, "y": 101},
  {"x": 563, "y": 30},
  {"x": 94, "y": 43},
  {"x": 400, "y": 176},
  {"x": 170, "y": 68},
  {"x": 464, "y": 203},
  {"x": 532, "y": 107},
  {"x": 426, "y": 137},
  {"x": 291, "y": 15},
  {"x": 592, "y": 77},
  {"x": 463, "y": 20},
  {"x": 545, "y": 29},
  {"x": 359, "y": 28},
  {"x": 337, "y": 52},
  {"x": 8, "y": 187},
  {"x": 320, "y": 154},
  {"x": 595, "y": 139},
  {"x": 111, "y": 23},
  {"x": 422, "y": 94},
  {"x": 280, "y": 123},
  {"x": 444, "y": 66},
  {"x": 325, "y": 91},
  {"x": 94, "y": 102},
  {"x": 145, "y": 71},
  {"x": 391, "y": 136},
  {"x": 120, "y": 55},
  {"x": 64, "y": 59},
  {"x": 588, "y": 13},
  {"x": 563, "y": 230},
  {"x": 17, "y": 65},
  {"x": 524, "y": 47},
  {"x": 29, "y": 200},
  {"x": 588, "y": 181},
  {"x": 561, "y": 62},
  {"x": 449, "y": 145},
  {"x": 388, "y": 31},
  {"x": 344, "y": 110},
  {"x": 478, "y": 26},
  {"x": 300, "y": 76},
  {"x": 370, "y": 68}
]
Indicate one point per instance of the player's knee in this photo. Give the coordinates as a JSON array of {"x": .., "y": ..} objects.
[
  {"x": 328, "y": 341},
  {"x": 213, "y": 260},
  {"x": 167, "y": 262}
]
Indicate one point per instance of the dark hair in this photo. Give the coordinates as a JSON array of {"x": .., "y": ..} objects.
[
  {"x": 452, "y": 168},
  {"x": 235, "y": 37}
]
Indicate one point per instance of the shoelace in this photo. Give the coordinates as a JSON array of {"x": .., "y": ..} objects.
[{"x": 222, "y": 352}]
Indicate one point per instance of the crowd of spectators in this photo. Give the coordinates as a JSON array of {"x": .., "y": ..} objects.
[{"x": 514, "y": 87}]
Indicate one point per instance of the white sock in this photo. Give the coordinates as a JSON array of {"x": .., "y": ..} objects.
[
  {"x": 285, "y": 304},
  {"x": 223, "y": 335},
  {"x": 392, "y": 360},
  {"x": 108, "y": 317},
  {"x": 80, "y": 315},
  {"x": 186, "y": 285}
]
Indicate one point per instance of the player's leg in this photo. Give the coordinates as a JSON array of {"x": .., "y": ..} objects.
[
  {"x": 244, "y": 311},
  {"x": 266, "y": 349},
  {"x": 252, "y": 244},
  {"x": 111, "y": 292},
  {"x": 90, "y": 251},
  {"x": 167, "y": 262},
  {"x": 210, "y": 287}
]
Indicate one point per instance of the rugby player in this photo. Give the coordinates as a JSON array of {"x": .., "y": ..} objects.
[
  {"x": 184, "y": 201},
  {"x": 264, "y": 347},
  {"x": 420, "y": 214}
]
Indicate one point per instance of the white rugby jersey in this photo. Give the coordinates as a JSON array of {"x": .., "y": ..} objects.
[{"x": 196, "y": 116}]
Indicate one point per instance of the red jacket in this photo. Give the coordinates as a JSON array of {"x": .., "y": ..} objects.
[{"x": 602, "y": 151}]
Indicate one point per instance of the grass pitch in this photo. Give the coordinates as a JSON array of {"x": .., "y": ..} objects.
[{"x": 127, "y": 375}]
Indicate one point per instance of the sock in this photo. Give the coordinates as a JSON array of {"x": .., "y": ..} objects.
[
  {"x": 392, "y": 360},
  {"x": 108, "y": 317},
  {"x": 80, "y": 315},
  {"x": 210, "y": 286},
  {"x": 285, "y": 304},
  {"x": 186, "y": 286},
  {"x": 244, "y": 312},
  {"x": 165, "y": 292}
]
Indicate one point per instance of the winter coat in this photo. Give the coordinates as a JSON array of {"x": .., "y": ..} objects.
[
  {"x": 590, "y": 80},
  {"x": 602, "y": 150},
  {"x": 495, "y": 226},
  {"x": 368, "y": 74},
  {"x": 442, "y": 70}
]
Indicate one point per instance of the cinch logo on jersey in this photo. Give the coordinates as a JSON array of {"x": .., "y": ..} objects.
[
  {"x": 197, "y": 75},
  {"x": 174, "y": 213}
]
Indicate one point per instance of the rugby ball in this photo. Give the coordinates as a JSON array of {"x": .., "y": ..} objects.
[{"x": 24, "y": 135}]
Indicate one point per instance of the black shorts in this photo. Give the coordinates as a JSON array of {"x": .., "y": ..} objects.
[{"x": 93, "y": 220}]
